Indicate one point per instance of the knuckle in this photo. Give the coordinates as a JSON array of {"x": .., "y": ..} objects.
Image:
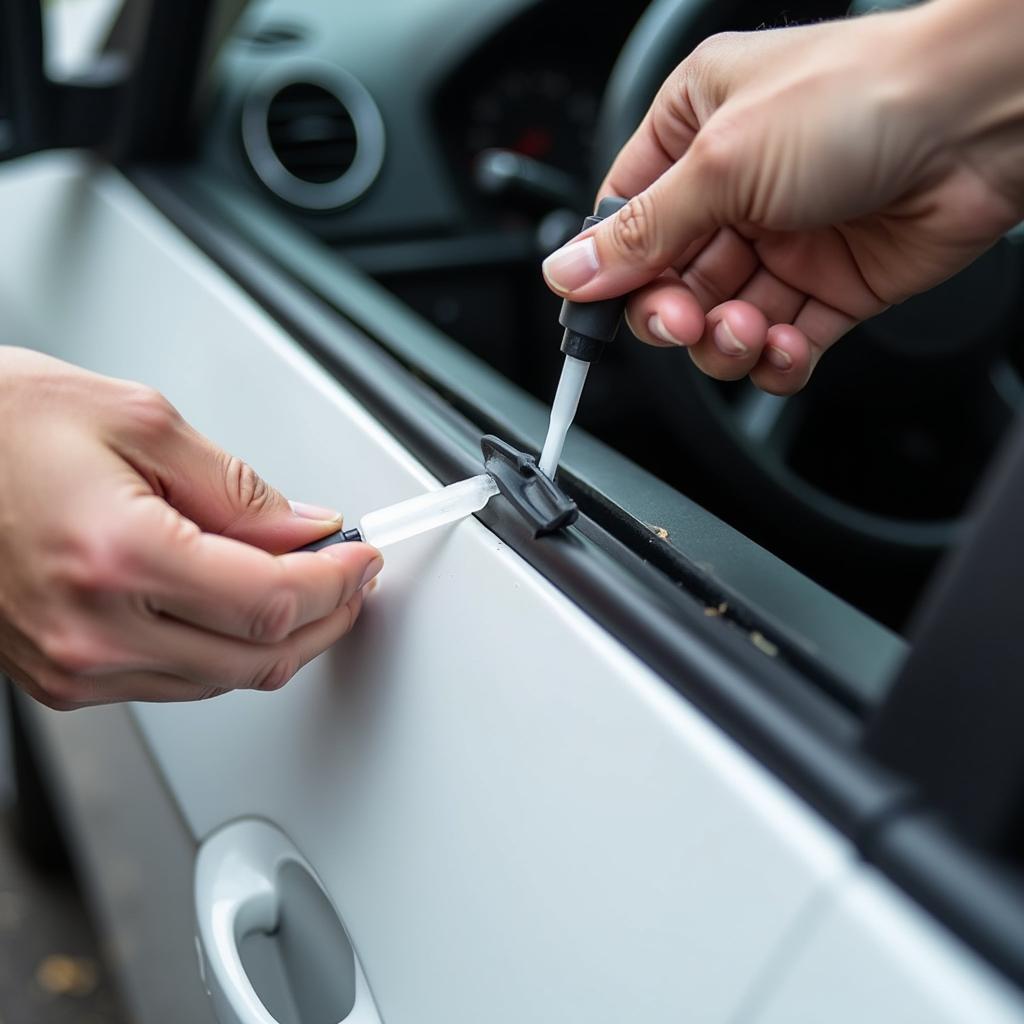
[
  {"x": 148, "y": 411},
  {"x": 276, "y": 673},
  {"x": 72, "y": 651},
  {"x": 276, "y": 618},
  {"x": 634, "y": 230},
  {"x": 715, "y": 150},
  {"x": 674, "y": 101},
  {"x": 97, "y": 562},
  {"x": 245, "y": 486},
  {"x": 711, "y": 49}
]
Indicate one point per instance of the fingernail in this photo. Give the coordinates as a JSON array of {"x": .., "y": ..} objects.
[
  {"x": 572, "y": 266},
  {"x": 656, "y": 326},
  {"x": 317, "y": 512},
  {"x": 371, "y": 570},
  {"x": 778, "y": 358},
  {"x": 727, "y": 342}
]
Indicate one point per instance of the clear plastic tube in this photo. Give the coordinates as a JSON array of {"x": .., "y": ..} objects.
[
  {"x": 427, "y": 511},
  {"x": 563, "y": 411}
]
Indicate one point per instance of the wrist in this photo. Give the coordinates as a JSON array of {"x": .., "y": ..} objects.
[{"x": 968, "y": 83}]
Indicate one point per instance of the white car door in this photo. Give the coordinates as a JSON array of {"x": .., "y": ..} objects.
[{"x": 514, "y": 817}]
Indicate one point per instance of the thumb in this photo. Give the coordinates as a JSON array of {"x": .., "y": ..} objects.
[
  {"x": 217, "y": 491},
  {"x": 660, "y": 226}
]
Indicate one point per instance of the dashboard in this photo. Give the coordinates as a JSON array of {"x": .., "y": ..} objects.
[{"x": 451, "y": 82}]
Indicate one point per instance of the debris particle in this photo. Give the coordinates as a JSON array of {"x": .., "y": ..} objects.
[
  {"x": 659, "y": 531},
  {"x": 763, "y": 644},
  {"x": 713, "y": 611},
  {"x": 67, "y": 975}
]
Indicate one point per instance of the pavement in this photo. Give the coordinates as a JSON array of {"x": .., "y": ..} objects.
[{"x": 51, "y": 967}]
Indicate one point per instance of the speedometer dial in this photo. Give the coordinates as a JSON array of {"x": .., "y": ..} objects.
[{"x": 541, "y": 113}]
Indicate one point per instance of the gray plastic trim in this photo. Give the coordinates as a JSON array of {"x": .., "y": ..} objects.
[{"x": 370, "y": 135}]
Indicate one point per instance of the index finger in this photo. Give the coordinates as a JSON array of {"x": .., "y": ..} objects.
[{"x": 663, "y": 136}]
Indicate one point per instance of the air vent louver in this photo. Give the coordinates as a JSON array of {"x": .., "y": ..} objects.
[
  {"x": 313, "y": 135},
  {"x": 311, "y": 132}
]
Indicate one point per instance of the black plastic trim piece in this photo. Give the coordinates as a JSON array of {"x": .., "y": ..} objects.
[
  {"x": 788, "y": 723},
  {"x": 952, "y": 721},
  {"x": 533, "y": 495}
]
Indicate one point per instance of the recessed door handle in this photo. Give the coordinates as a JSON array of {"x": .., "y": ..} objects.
[{"x": 273, "y": 949}]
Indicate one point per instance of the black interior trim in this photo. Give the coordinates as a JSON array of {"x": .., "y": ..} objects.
[{"x": 952, "y": 721}]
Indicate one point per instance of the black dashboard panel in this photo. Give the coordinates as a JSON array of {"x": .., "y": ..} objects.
[
  {"x": 401, "y": 52},
  {"x": 534, "y": 88},
  {"x": 449, "y": 78}
]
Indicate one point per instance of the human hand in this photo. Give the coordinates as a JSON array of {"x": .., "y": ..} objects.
[
  {"x": 788, "y": 184},
  {"x": 130, "y": 561}
]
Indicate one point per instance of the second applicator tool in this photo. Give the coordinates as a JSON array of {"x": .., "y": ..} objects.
[{"x": 589, "y": 326}]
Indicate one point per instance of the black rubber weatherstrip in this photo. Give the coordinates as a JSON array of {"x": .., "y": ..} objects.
[{"x": 786, "y": 722}]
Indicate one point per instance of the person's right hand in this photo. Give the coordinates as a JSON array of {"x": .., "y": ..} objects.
[
  {"x": 788, "y": 184},
  {"x": 130, "y": 550}
]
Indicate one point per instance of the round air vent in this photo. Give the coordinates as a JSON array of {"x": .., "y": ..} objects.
[{"x": 313, "y": 135}]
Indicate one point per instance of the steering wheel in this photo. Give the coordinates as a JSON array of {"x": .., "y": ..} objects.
[{"x": 869, "y": 468}]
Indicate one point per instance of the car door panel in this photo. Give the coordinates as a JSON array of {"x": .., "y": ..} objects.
[
  {"x": 514, "y": 816},
  {"x": 871, "y": 954}
]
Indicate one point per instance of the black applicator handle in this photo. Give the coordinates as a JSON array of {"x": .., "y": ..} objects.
[
  {"x": 589, "y": 326},
  {"x": 338, "y": 537}
]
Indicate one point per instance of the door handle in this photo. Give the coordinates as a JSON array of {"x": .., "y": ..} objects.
[{"x": 255, "y": 891}]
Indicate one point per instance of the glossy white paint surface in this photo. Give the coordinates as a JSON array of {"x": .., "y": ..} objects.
[
  {"x": 516, "y": 819},
  {"x": 874, "y": 955}
]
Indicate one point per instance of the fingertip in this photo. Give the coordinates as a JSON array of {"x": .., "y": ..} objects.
[
  {"x": 665, "y": 314},
  {"x": 373, "y": 568},
  {"x": 744, "y": 322},
  {"x": 733, "y": 338},
  {"x": 785, "y": 365},
  {"x": 359, "y": 562}
]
